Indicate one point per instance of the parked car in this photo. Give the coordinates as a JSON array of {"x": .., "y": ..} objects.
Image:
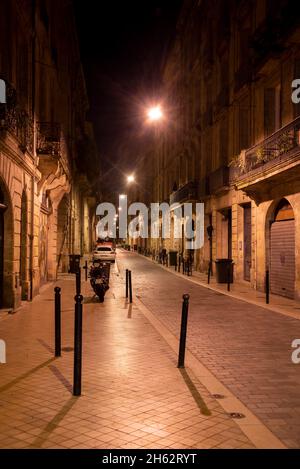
[{"x": 104, "y": 253}]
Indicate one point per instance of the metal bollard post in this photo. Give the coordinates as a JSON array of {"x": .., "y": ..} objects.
[
  {"x": 57, "y": 316},
  {"x": 130, "y": 286},
  {"x": 86, "y": 270},
  {"x": 183, "y": 329},
  {"x": 77, "y": 346},
  {"x": 267, "y": 287},
  {"x": 228, "y": 277},
  {"x": 127, "y": 283},
  {"x": 78, "y": 281}
]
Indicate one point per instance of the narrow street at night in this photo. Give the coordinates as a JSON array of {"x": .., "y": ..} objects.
[{"x": 149, "y": 232}]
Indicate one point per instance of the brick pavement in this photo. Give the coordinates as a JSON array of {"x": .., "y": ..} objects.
[
  {"x": 133, "y": 396},
  {"x": 246, "y": 347}
]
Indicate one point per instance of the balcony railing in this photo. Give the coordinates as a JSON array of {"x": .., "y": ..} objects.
[
  {"x": 16, "y": 121},
  {"x": 219, "y": 180},
  {"x": 186, "y": 192},
  {"x": 270, "y": 36},
  {"x": 8, "y": 111},
  {"x": 48, "y": 138},
  {"x": 25, "y": 131},
  {"x": 284, "y": 142}
]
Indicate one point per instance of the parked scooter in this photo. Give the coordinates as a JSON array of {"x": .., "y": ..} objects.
[{"x": 99, "y": 278}]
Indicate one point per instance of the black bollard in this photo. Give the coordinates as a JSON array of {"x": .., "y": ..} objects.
[
  {"x": 228, "y": 276},
  {"x": 130, "y": 286},
  {"x": 209, "y": 273},
  {"x": 57, "y": 298},
  {"x": 78, "y": 281},
  {"x": 86, "y": 270},
  {"x": 183, "y": 329},
  {"x": 267, "y": 287},
  {"x": 77, "y": 346},
  {"x": 127, "y": 283}
]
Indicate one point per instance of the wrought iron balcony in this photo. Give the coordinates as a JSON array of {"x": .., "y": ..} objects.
[
  {"x": 16, "y": 121},
  {"x": 269, "y": 38},
  {"x": 184, "y": 193},
  {"x": 219, "y": 180},
  {"x": 48, "y": 138},
  {"x": 283, "y": 144},
  {"x": 275, "y": 160},
  {"x": 8, "y": 111},
  {"x": 25, "y": 131}
]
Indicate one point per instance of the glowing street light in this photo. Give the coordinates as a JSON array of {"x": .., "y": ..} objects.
[
  {"x": 155, "y": 113},
  {"x": 130, "y": 178},
  {"x": 122, "y": 196}
]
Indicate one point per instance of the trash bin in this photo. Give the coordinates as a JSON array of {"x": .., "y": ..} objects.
[
  {"x": 173, "y": 258},
  {"x": 74, "y": 263},
  {"x": 224, "y": 268}
]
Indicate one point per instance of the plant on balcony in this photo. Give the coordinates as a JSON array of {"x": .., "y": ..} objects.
[
  {"x": 285, "y": 143},
  {"x": 239, "y": 162},
  {"x": 260, "y": 155}
]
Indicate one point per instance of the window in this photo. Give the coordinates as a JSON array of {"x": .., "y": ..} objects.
[{"x": 272, "y": 109}]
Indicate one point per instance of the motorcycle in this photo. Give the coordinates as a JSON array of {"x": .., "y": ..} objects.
[{"x": 99, "y": 278}]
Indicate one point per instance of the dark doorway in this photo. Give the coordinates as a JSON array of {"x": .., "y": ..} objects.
[{"x": 247, "y": 241}]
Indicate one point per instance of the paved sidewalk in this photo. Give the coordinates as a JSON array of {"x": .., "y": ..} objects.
[
  {"x": 133, "y": 396},
  {"x": 246, "y": 347}
]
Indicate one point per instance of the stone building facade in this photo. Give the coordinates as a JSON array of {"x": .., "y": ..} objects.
[
  {"x": 44, "y": 203},
  {"x": 232, "y": 138}
]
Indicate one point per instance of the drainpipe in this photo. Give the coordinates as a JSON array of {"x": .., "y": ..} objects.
[{"x": 31, "y": 237}]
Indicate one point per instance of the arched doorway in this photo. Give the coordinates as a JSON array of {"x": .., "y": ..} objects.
[
  {"x": 23, "y": 248},
  {"x": 6, "y": 250},
  {"x": 282, "y": 251}
]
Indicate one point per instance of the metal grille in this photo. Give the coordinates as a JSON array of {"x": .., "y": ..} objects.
[{"x": 282, "y": 278}]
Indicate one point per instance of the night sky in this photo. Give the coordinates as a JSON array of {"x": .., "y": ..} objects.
[{"x": 123, "y": 44}]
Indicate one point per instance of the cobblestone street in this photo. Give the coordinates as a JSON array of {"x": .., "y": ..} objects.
[
  {"x": 247, "y": 347},
  {"x": 133, "y": 395}
]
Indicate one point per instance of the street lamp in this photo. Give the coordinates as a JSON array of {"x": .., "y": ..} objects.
[
  {"x": 130, "y": 178},
  {"x": 155, "y": 113}
]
